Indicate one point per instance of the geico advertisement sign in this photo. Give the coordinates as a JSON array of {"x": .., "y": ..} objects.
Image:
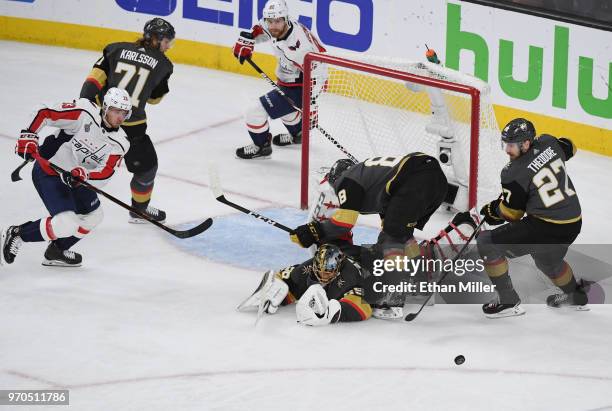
[{"x": 243, "y": 13}]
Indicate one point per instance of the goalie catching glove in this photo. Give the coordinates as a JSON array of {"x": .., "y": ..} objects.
[
  {"x": 307, "y": 234},
  {"x": 315, "y": 309},
  {"x": 489, "y": 212}
]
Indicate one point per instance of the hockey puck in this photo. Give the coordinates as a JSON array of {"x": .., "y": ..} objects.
[{"x": 460, "y": 359}]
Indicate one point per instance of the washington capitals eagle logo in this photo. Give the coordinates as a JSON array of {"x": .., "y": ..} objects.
[{"x": 294, "y": 48}]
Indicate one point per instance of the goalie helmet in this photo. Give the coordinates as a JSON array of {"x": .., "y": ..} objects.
[
  {"x": 338, "y": 169},
  {"x": 159, "y": 28},
  {"x": 117, "y": 98},
  {"x": 518, "y": 130},
  {"x": 275, "y": 9},
  {"x": 327, "y": 262}
]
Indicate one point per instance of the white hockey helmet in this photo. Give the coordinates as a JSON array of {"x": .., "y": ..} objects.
[
  {"x": 117, "y": 98},
  {"x": 275, "y": 9}
]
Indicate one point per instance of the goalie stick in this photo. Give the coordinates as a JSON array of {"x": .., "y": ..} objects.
[
  {"x": 296, "y": 108},
  {"x": 217, "y": 190},
  {"x": 200, "y": 228},
  {"x": 412, "y": 316}
]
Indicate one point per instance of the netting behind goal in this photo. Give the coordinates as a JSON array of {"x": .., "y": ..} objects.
[{"x": 376, "y": 106}]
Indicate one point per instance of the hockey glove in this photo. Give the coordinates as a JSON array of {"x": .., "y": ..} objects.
[
  {"x": 244, "y": 46},
  {"x": 27, "y": 145},
  {"x": 307, "y": 234},
  {"x": 75, "y": 177},
  {"x": 315, "y": 309},
  {"x": 489, "y": 212}
]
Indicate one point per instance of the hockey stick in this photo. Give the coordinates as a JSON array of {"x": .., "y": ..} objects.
[
  {"x": 412, "y": 316},
  {"x": 215, "y": 186},
  {"x": 200, "y": 228},
  {"x": 296, "y": 108},
  {"x": 15, "y": 174}
]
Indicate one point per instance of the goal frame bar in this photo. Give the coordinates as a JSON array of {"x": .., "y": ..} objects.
[{"x": 473, "y": 92}]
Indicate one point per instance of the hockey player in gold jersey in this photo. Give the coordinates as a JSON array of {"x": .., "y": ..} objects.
[{"x": 543, "y": 216}]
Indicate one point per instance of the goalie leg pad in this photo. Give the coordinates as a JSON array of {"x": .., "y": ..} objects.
[{"x": 271, "y": 289}]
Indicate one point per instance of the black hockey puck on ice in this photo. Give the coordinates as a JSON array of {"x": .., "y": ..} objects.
[{"x": 460, "y": 359}]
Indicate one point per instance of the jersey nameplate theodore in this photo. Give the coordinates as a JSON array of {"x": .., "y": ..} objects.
[{"x": 542, "y": 159}]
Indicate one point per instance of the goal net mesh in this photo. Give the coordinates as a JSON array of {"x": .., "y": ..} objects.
[{"x": 373, "y": 114}]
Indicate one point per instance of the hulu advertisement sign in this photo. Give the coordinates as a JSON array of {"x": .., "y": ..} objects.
[{"x": 538, "y": 65}]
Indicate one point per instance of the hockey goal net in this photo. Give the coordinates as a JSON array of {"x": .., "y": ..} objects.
[{"x": 377, "y": 106}]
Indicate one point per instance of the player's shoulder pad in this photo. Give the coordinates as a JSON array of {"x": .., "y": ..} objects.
[
  {"x": 90, "y": 108},
  {"x": 568, "y": 147},
  {"x": 546, "y": 139},
  {"x": 111, "y": 47},
  {"x": 509, "y": 173},
  {"x": 165, "y": 60},
  {"x": 120, "y": 139},
  {"x": 565, "y": 144}
]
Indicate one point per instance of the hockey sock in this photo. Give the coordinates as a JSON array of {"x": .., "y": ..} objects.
[
  {"x": 260, "y": 139},
  {"x": 293, "y": 123},
  {"x": 141, "y": 192},
  {"x": 30, "y": 231},
  {"x": 66, "y": 243},
  {"x": 564, "y": 278},
  {"x": 498, "y": 274}
]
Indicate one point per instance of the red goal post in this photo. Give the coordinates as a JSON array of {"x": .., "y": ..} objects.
[{"x": 311, "y": 115}]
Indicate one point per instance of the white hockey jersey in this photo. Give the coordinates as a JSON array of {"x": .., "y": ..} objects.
[
  {"x": 291, "y": 51},
  {"x": 93, "y": 147}
]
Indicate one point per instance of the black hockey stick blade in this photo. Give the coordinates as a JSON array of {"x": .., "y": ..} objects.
[
  {"x": 192, "y": 232},
  {"x": 411, "y": 316},
  {"x": 15, "y": 174}
]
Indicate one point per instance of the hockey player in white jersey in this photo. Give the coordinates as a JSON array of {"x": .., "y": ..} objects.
[
  {"x": 291, "y": 41},
  {"x": 89, "y": 146}
]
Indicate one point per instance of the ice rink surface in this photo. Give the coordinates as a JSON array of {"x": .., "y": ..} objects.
[{"x": 147, "y": 324}]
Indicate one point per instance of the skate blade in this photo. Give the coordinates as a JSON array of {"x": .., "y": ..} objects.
[
  {"x": 268, "y": 157},
  {"x": 255, "y": 158},
  {"x": 138, "y": 220},
  {"x": 585, "y": 307},
  {"x": 56, "y": 263},
  {"x": 509, "y": 312},
  {"x": 2, "y": 238},
  {"x": 394, "y": 313}
]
